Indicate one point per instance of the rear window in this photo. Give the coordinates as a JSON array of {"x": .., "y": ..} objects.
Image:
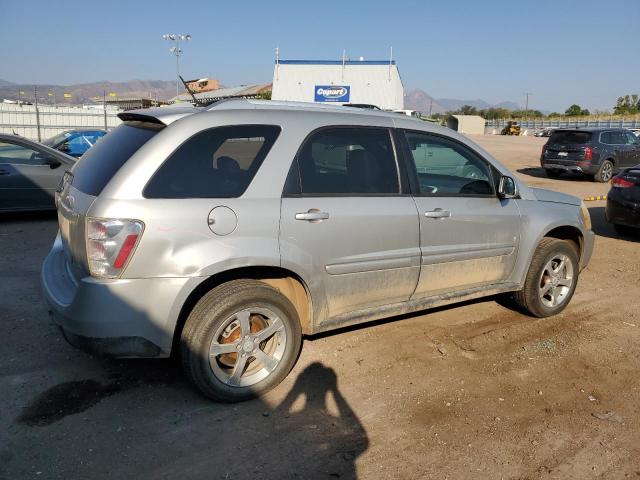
[
  {"x": 570, "y": 137},
  {"x": 215, "y": 163},
  {"x": 101, "y": 162}
]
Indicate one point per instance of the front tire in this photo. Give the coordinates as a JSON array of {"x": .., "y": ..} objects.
[
  {"x": 240, "y": 341},
  {"x": 605, "y": 172},
  {"x": 551, "y": 279}
]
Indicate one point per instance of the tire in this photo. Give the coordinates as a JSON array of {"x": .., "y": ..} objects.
[
  {"x": 553, "y": 173},
  {"x": 548, "y": 254},
  {"x": 605, "y": 172},
  {"x": 253, "y": 335}
]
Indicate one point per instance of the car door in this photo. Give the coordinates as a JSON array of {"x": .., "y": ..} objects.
[
  {"x": 468, "y": 236},
  {"x": 345, "y": 223},
  {"x": 620, "y": 148},
  {"x": 28, "y": 176},
  {"x": 633, "y": 146}
]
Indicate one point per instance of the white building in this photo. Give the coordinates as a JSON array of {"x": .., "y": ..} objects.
[{"x": 375, "y": 82}]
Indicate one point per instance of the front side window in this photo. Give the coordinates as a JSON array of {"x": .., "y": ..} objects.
[
  {"x": 448, "y": 168},
  {"x": 348, "y": 161},
  {"x": 13, "y": 154},
  {"x": 631, "y": 138},
  {"x": 215, "y": 163}
]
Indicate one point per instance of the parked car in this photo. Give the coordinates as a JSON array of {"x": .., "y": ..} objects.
[
  {"x": 75, "y": 142},
  {"x": 545, "y": 132},
  {"x": 225, "y": 233},
  {"x": 623, "y": 201},
  {"x": 597, "y": 152},
  {"x": 29, "y": 174}
]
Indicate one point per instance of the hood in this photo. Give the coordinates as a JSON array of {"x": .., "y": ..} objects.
[{"x": 544, "y": 195}]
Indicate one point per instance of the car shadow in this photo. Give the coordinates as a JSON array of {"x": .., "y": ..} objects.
[
  {"x": 602, "y": 228},
  {"x": 539, "y": 172},
  {"x": 28, "y": 216}
]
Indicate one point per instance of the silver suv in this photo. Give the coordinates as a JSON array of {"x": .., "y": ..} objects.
[{"x": 223, "y": 234}]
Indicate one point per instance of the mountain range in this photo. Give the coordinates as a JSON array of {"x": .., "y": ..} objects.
[
  {"x": 83, "y": 92},
  {"x": 415, "y": 99}
]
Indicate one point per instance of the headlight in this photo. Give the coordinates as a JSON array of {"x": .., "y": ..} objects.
[{"x": 586, "y": 218}]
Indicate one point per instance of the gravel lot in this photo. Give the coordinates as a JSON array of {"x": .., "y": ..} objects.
[{"x": 470, "y": 391}]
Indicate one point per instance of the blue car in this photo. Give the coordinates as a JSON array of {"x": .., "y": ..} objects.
[{"x": 75, "y": 142}]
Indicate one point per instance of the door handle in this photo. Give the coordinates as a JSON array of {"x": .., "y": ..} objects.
[
  {"x": 437, "y": 213},
  {"x": 313, "y": 215}
]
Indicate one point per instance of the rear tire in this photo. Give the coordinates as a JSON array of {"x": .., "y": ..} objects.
[
  {"x": 551, "y": 279},
  {"x": 605, "y": 172},
  {"x": 240, "y": 340}
]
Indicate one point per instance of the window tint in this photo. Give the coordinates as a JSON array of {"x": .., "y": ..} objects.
[
  {"x": 570, "y": 137},
  {"x": 92, "y": 173},
  {"x": 618, "y": 138},
  {"x": 605, "y": 137},
  {"x": 342, "y": 161},
  {"x": 215, "y": 163},
  {"x": 18, "y": 155},
  {"x": 445, "y": 167},
  {"x": 631, "y": 138}
]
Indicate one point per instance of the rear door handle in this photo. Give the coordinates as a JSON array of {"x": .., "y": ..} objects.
[
  {"x": 437, "y": 213},
  {"x": 313, "y": 215}
]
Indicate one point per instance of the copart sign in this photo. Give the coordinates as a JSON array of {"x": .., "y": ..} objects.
[{"x": 332, "y": 93}]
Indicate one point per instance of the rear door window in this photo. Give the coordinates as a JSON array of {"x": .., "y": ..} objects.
[
  {"x": 348, "y": 161},
  {"x": 215, "y": 163},
  {"x": 101, "y": 162},
  {"x": 570, "y": 138}
]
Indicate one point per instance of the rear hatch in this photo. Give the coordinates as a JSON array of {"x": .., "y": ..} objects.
[
  {"x": 83, "y": 183},
  {"x": 567, "y": 146}
]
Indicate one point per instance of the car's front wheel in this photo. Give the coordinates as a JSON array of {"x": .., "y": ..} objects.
[
  {"x": 551, "y": 279},
  {"x": 240, "y": 340}
]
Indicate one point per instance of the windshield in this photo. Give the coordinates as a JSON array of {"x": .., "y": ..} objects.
[
  {"x": 61, "y": 137},
  {"x": 570, "y": 137}
]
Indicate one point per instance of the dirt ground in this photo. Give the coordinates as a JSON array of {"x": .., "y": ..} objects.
[{"x": 469, "y": 391}]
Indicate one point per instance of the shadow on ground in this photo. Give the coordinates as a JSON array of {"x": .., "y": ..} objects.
[{"x": 538, "y": 172}]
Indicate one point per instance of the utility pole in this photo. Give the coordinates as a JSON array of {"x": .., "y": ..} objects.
[
  {"x": 177, "y": 51},
  {"x": 526, "y": 107},
  {"x": 104, "y": 107},
  {"x": 35, "y": 94}
]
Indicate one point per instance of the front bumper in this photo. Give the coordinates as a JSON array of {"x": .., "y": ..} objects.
[{"x": 115, "y": 317}]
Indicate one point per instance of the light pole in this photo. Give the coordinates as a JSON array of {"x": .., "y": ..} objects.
[{"x": 177, "y": 51}]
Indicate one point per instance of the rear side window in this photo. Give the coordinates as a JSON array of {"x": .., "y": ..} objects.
[
  {"x": 348, "y": 161},
  {"x": 101, "y": 162},
  {"x": 215, "y": 163},
  {"x": 570, "y": 137}
]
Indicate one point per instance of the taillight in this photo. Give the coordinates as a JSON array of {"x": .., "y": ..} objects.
[
  {"x": 110, "y": 243},
  {"x": 620, "y": 182},
  {"x": 588, "y": 153}
]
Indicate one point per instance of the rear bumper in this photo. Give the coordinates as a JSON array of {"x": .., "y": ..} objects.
[
  {"x": 116, "y": 317},
  {"x": 622, "y": 212},
  {"x": 570, "y": 166}
]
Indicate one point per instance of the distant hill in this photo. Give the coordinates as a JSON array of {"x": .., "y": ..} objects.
[
  {"x": 82, "y": 93},
  {"x": 417, "y": 99}
]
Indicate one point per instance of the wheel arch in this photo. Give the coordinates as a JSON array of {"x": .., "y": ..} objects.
[
  {"x": 290, "y": 284},
  {"x": 568, "y": 233}
]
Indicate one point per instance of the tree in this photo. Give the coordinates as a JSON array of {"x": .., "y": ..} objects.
[
  {"x": 627, "y": 105},
  {"x": 575, "y": 111},
  {"x": 466, "y": 110}
]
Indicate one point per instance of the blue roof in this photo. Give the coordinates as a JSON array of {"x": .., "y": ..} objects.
[{"x": 336, "y": 62}]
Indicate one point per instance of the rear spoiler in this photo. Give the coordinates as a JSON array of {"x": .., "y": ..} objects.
[{"x": 159, "y": 115}]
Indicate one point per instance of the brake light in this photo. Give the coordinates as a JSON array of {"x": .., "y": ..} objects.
[
  {"x": 620, "y": 182},
  {"x": 110, "y": 243},
  {"x": 588, "y": 153}
]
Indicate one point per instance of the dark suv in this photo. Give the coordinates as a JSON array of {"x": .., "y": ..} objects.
[{"x": 598, "y": 152}]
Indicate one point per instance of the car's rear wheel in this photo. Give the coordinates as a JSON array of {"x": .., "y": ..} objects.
[
  {"x": 605, "y": 172},
  {"x": 240, "y": 340},
  {"x": 551, "y": 279}
]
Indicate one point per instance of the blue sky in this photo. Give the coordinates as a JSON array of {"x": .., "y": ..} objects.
[{"x": 562, "y": 51}]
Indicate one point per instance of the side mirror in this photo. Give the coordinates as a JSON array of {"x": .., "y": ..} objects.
[
  {"x": 507, "y": 188},
  {"x": 52, "y": 162}
]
